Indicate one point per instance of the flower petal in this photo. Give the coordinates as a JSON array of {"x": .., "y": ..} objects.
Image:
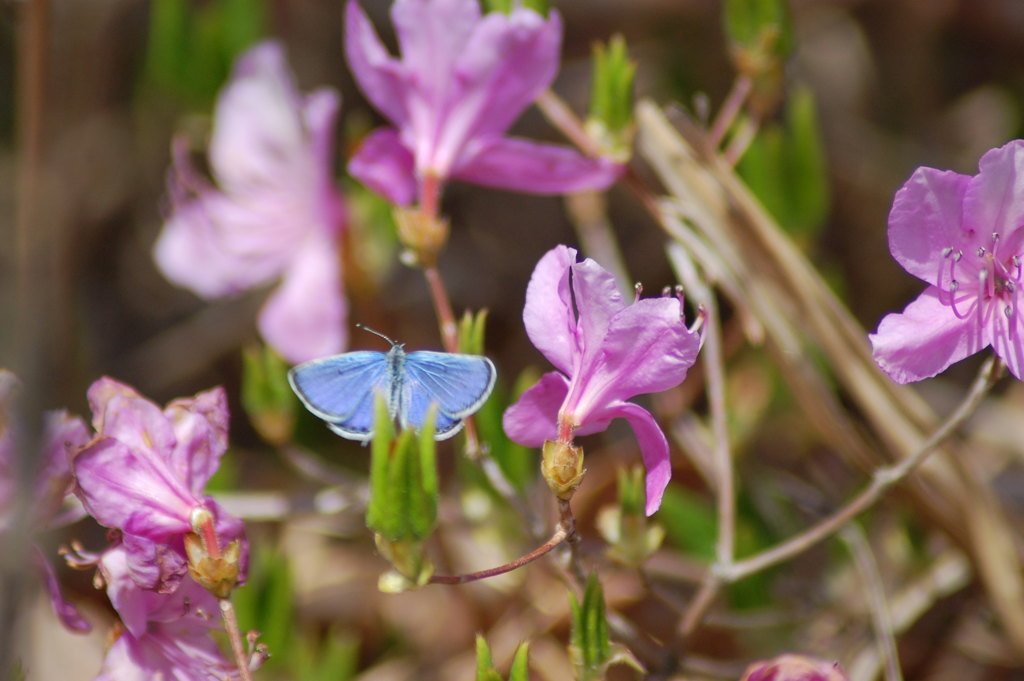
[
  {"x": 432, "y": 35},
  {"x": 994, "y": 201},
  {"x": 65, "y": 612},
  {"x": 598, "y": 299},
  {"x": 386, "y": 166},
  {"x": 381, "y": 77},
  {"x": 524, "y": 166},
  {"x": 925, "y": 219},
  {"x": 305, "y": 317},
  {"x": 127, "y": 489},
  {"x": 924, "y": 339},
  {"x": 548, "y": 315},
  {"x": 200, "y": 427},
  {"x": 653, "y": 448},
  {"x": 258, "y": 134},
  {"x": 1006, "y": 335},
  {"x": 534, "y": 417}
]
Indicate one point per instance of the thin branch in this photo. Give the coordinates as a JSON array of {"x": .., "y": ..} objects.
[
  {"x": 557, "y": 538},
  {"x": 734, "y": 101},
  {"x": 227, "y": 612},
  {"x": 881, "y": 481},
  {"x": 881, "y": 616}
]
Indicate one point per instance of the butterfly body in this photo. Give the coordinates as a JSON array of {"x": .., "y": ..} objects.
[{"x": 341, "y": 389}]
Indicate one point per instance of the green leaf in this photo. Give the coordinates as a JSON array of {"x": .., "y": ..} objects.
[
  {"x": 506, "y": 6},
  {"x": 611, "y": 90},
  {"x": 589, "y": 646},
  {"x": 267, "y": 602},
  {"x": 689, "y": 521},
  {"x": 520, "y": 663},
  {"x": 267, "y": 398},
  {"x": 379, "y": 513},
  {"x": 785, "y": 168},
  {"x": 471, "y": 332}
]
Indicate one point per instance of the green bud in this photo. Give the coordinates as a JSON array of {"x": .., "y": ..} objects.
[
  {"x": 610, "y": 122},
  {"x": 266, "y": 396},
  {"x": 403, "y": 479},
  {"x": 411, "y": 568},
  {"x": 761, "y": 37},
  {"x": 541, "y": 7},
  {"x": 471, "y": 332}
]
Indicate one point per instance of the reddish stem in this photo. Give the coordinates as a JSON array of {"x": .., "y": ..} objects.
[{"x": 557, "y": 538}]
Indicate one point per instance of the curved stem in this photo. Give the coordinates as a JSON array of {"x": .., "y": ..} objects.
[
  {"x": 227, "y": 613},
  {"x": 557, "y": 538},
  {"x": 881, "y": 481}
]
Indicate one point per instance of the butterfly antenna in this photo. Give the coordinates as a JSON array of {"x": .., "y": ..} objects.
[{"x": 364, "y": 327}]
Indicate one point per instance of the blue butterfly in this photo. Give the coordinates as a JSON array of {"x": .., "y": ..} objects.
[{"x": 340, "y": 389}]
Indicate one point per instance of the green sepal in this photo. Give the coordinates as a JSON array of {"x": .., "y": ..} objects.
[
  {"x": 631, "y": 535},
  {"x": 267, "y": 398},
  {"x": 589, "y": 647},
  {"x": 610, "y": 120}
]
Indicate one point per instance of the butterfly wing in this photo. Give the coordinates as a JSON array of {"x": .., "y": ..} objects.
[
  {"x": 459, "y": 384},
  {"x": 340, "y": 390}
]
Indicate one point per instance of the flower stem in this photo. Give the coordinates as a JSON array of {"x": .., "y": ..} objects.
[
  {"x": 881, "y": 481},
  {"x": 730, "y": 108},
  {"x": 227, "y": 613},
  {"x": 557, "y": 538},
  {"x": 562, "y": 117}
]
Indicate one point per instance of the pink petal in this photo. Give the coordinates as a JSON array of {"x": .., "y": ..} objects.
[
  {"x": 66, "y": 613},
  {"x": 534, "y": 417},
  {"x": 305, "y": 317},
  {"x": 507, "y": 63},
  {"x": 200, "y": 427},
  {"x": 994, "y": 201},
  {"x": 381, "y": 77},
  {"x": 524, "y": 166},
  {"x": 548, "y": 315},
  {"x": 925, "y": 219},
  {"x": 258, "y": 135},
  {"x": 124, "y": 488},
  {"x": 64, "y": 436},
  {"x": 432, "y": 35},
  {"x": 653, "y": 448},
  {"x": 647, "y": 349},
  {"x": 598, "y": 300},
  {"x": 386, "y": 166},
  {"x": 924, "y": 339}
]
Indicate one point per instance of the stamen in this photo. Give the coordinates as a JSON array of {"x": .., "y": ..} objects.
[
  {"x": 638, "y": 288},
  {"x": 981, "y": 251},
  {"x": 947, "y": 251},
  {"x": 954, "y": 285}
]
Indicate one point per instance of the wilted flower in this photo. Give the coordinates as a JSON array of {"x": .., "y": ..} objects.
[
  {"x": 52, "y": 484},
  {"x": 275, "y": 212},
  {"x": 963, "y": 236},
  {"x": 792, "y": 667},
  {"x": 144, "y": 474},
  {"x": 606, "y": 351},
  {"x": 461, "y": 82},
  {"x": 164, "y": 636}
]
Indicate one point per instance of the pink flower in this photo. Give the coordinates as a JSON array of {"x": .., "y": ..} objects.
[
  {"x": 606, "y": 351},
  {"x": 963, "y": 236},
  {"x": 164, "y": 636},
  {"x": 462, "y": 81},
  {"x": 276, "y": 213},
  {"x": 790, "y": 667},
  {"x": 145, "y": 471},
  {"x": 52, "y": 485}
]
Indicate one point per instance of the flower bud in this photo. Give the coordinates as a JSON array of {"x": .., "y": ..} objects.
[
  {"x": 218, "y": 575},
  {"x": 791, "y": 667},
  {"x": 422, "y": 236},
  {"x": 562, "y": 467}
]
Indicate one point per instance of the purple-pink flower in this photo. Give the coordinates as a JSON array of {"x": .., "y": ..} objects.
[
  {"x": 606, "y": 351},
  {"x": 791, "y": 667},
  {"x": 462, "y": 80},
  {"x": 144, "y": 474},
  {"x": 52, "y": 484},
  {"x": 164, "y": 636},
  {"x": 964, "y": 236},
  {"x": 275, "y": 212}
]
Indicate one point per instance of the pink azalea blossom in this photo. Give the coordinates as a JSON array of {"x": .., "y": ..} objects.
[
  {"x": 62, "y": 434},
  {"x": 145, "y": 471},
  {"x": 164, "y": 636},
  {"x": 790, "y": 667},
  {"x": 275, "y": 214},
  {"x": 606, "y": 351},
  {"x": 462, "y": 80},
  {"x": 964, "y": 236}
]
